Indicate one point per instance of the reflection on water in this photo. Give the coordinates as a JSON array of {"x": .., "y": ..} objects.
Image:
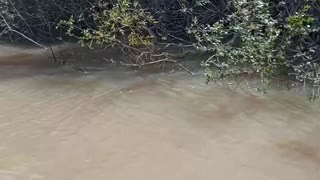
[{"x": 58, "y": 124}]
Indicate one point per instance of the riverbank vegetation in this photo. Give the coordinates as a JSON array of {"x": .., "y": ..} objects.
[{"x": 277, "y": 38}]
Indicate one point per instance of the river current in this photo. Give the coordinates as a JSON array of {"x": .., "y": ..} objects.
[{"x": 120, "y": 124}]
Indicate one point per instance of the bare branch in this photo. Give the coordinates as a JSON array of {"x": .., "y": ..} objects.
[{"x": 21, "y": 34}]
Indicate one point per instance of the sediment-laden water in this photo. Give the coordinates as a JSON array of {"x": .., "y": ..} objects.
[{"x": 118, "y": 124}]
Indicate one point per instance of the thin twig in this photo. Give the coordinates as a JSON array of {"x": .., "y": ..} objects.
[
  {"x": 21, "y": 16},
  {"x": 148, "y": 63},
  {"x": 159, "y": 61},
  {"x": 186, "y": 69}
]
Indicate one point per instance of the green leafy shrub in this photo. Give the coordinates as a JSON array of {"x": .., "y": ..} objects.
[
  {"x": 251, "y": 40},
  {"x": 125, "y": 25}
]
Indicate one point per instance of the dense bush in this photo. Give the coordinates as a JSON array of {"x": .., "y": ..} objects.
[
  {"x": 253, "y": 40},
  {"x": 256, "y": 38},
  {"x": 125, "y": 25},
  {"x": 267, "y": 38}
]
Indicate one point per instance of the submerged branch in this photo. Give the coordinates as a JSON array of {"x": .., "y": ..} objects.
[{"x": 165, "y": 60}]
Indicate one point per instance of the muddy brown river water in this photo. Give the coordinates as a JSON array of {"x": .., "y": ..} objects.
[{"x": 116, "y": 124}]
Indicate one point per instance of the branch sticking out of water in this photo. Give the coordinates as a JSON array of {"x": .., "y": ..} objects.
[{"x": 165, "y": 60}]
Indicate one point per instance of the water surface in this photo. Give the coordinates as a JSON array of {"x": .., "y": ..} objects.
[{"x": 111, "y": 123}]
